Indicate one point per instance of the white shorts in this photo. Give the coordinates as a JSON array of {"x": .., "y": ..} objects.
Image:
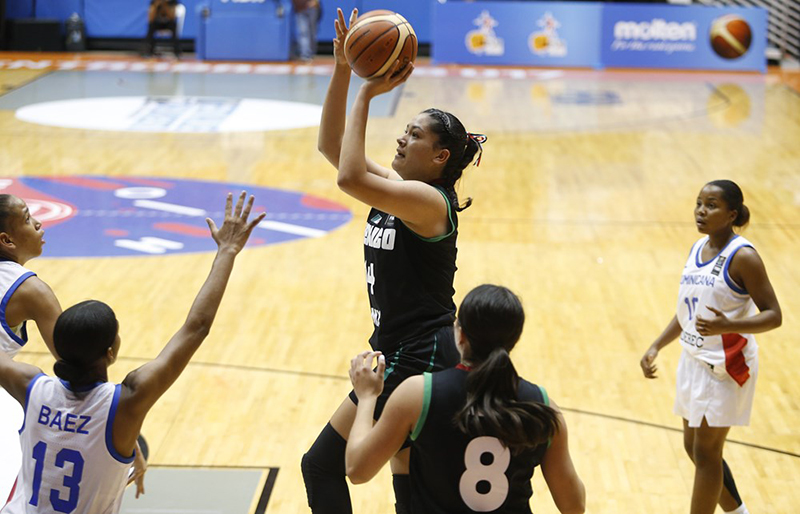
[
  {"x": 10, "y": 422},
  {"x": 706, "y": 391}
]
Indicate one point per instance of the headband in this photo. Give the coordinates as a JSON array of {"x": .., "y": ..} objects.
[{"x": 479, "y": 139}]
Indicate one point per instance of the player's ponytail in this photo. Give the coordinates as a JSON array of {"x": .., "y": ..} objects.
[
  {"x": 82, "y": 336},
  {"x": 491, "y": 318},
  {"x": 733, "y": 196},
  {"x": 463, "y": 147}
]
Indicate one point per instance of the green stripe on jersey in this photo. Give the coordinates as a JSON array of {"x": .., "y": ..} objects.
[
  {"x": 449, "y": 217},
  {"x": 544, "y": 395},
  {"x": 426, "y": 403},
  {"x": 546, "y": 402}
]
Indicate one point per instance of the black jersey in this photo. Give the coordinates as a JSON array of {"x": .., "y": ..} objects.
[
  {"x": 452, "y": 473},
  {"x": 409, "y": 279}
]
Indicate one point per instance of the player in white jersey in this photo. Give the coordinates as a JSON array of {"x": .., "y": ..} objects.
[
  {"x": 725, "y": 297},
  {"x": 23, "y": 296},
  {"x": 80, "y": 432}
]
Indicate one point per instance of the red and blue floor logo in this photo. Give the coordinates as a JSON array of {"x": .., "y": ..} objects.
[{"x": 123, "y": 216}]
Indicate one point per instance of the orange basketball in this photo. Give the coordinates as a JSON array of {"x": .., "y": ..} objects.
[
  {"x": 730, "y": 36},
  {"x": 376, "y": 40}
]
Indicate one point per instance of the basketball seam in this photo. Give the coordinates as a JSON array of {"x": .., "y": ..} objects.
[
  {"x": 393, "y": 27},
  {"x": 395, "y": 53}
]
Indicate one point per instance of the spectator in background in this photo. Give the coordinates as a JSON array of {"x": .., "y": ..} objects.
[
  {"x": 161, "y": 16},
  {"x": 306, "y": 18}
]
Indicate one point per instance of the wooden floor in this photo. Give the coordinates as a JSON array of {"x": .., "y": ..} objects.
[{"x": 582, "y": 205}]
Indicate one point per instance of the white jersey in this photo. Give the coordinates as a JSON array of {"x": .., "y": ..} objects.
[
  {"x": 705, "y": 284},
  {"x": 12, "y": 339},
  {"x": 69, "y": 463}
]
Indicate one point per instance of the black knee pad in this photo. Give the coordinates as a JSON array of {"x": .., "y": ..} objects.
[
  {"x": 326, "y": 455},
  {"x": 324, "y": 474}
]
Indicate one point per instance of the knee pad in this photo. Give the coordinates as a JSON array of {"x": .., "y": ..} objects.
[
  {"x": 323, "y": 470},
  {"x": 326, "y": 455}
]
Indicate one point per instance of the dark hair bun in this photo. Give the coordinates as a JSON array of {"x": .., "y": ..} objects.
[
  {"x": 66, "y": 371},
  {"x": 743, "y": 217}
]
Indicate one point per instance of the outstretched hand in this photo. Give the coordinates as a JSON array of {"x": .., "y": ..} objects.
[
  {"x": 366, "y": 381},
  {"x": 342, "y": 28},
  {"x": 389, "y": 80},
  {"x": 235, "y": 230}
]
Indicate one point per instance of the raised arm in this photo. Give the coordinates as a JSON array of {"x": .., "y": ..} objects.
[
  {"x": 142, "y": 387},
  {"x": 421, "y": 206},
  {"x": 34, "y": 300},
  {"x": 15, "y": 377},
  {"x": 562, "y": 479},
  {"x": 370, "y": 447},
  {"x": 334, "y": 110}
]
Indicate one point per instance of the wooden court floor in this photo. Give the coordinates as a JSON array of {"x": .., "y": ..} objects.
[{"x": 582, "y": 205}]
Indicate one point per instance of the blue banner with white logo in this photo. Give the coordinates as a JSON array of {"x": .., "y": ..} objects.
[
  {"x": 535, "y": 34},
  {"x": 584, "y": 34},
  {"x": 687, "y": 37}
]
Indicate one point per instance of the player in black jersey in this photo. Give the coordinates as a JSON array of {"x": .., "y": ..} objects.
[
  {"x": 478, "y": 430},
  {"x": 409, "y": 254}
]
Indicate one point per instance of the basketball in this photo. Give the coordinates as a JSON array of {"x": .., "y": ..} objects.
[
  {"x": 376, "y": 40},
  {"x": 730, "y": 36}
]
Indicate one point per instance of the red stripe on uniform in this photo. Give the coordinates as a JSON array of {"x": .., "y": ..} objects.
[
  {"x": 11, "y": 494},
  {"x": 735, "y": 364}
]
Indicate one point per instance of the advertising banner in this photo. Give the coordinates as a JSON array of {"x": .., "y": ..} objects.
[
  {"x": 529, "y": 33},
  {"x": 686, "y": 37}
]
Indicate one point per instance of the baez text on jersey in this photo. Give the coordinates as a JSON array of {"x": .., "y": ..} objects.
[{"x": 66, "y": 423}]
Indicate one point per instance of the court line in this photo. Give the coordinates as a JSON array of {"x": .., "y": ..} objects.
[
  {"x": 242, "y": 367},
  {"x": 613, "y": 223},
  {"x": 31, "y": 81},
  {"x": 673, "y": 429},
  {"x": 347, "y": 379},
  {"x": 267, "y": 491},
  {"x": 211, "y": 466}
]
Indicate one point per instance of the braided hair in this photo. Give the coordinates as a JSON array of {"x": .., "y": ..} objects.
[{"x": 462, "y": 146}]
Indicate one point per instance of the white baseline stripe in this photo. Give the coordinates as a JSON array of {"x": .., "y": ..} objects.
[
  {"x": 291, "y": 229},
  {"x": 169, "y": 207}
]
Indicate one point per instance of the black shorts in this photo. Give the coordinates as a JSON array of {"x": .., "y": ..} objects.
[{"x": 431, "y": 353}]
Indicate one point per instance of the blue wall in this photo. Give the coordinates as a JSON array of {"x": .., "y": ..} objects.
[
  {"x": 103, "y": 18},
  {"x": 128, "y": 18},
  {"x": 418, "y": 12}
]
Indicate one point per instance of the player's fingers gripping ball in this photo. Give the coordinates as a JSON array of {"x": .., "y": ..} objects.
[{"x": 376, "y": 40}]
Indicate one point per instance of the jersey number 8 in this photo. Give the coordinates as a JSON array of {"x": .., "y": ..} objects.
[{"x": 484, "y": 485}]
